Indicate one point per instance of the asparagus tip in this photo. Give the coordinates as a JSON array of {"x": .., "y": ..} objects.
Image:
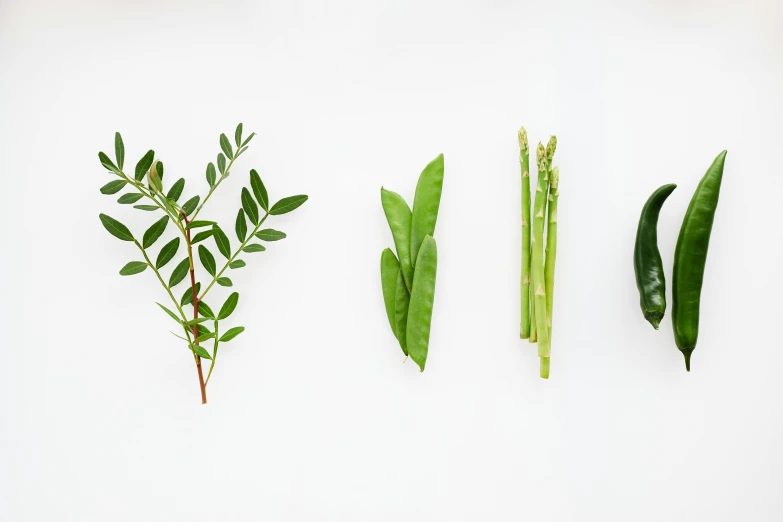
[
  {"x": 550, "y": 148},
  {"x": 540, "y": 152},
  {"x": 555, "y": 179},
  {"x": 522, "y": 136}
]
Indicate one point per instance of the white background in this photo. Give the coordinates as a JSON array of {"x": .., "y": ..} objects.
[{"x": 312, "y": 414}]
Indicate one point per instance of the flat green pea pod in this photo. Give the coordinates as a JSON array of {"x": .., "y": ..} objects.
[
  {"x": 402, "y": 302},
  {"x": 390, "y": 268},
  {"x": 690, "y": 256},
  {"x": 426, "y": 203},
  {"x": 422, "y": 298},
  {"x": 398, "y": 215},
  {"x": 647, "y": 264}
]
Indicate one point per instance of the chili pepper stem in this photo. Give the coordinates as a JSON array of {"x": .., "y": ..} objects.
[
  {"x": 524, "y": 298},
  {"x": 687, "y": 353}
]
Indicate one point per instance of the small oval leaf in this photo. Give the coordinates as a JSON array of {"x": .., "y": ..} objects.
[
  {"x": 176, "y": 189},
  {"x": 241, "y": 225},
  {"x": 270, "y": 234},
  {"x": 113, "y": 187},
  {"x": 144, "y": 165},
  {"x": 167, "y": 253},
  {"x": 288, "y": 204},
  {"x": 116, "y": 228},
  {"x": 254, "y": 247},
  {"x": 231, "y": 333},
  {"x": 229, "y": 306},
  {"x": 129, "y": 198},
  {"x": 250, "y": 207},
  {"x": 238, "y": 263},
  {"x": 179, "y": 273},
  {"x": 207, "y": 259},
  {"x": 222, "y": 242},
  {"x": 224, "y": 281},
  {"x": 155, "y": 231},
  {"x": 119, "y": 150},
  {"x": 134, "y": 267},
  {"x": 259, "y": 189}
]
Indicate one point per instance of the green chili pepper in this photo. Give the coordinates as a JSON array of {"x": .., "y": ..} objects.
[
  {"x": 690, "y": 256},
  {"x": 422, "y": 298},
  {"x": 402, "y": 302},
  {"x": 647, "y": 264}
]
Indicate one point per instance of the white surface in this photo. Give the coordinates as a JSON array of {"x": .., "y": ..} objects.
[{"x": 311, "y": 414}]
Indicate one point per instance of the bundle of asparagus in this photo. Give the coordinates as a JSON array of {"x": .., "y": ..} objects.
[{"x": 538, "y": 258}]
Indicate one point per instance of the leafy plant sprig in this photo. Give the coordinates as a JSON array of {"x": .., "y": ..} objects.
[{"x": 145, "y": 185}]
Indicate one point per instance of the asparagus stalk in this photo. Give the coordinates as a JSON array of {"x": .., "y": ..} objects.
[
  {"x": 524, "y": 289},
  {"x": 540, "y": 160},
  {"x": 549, "y": 263},
  {"x": 537, "y": 262}
]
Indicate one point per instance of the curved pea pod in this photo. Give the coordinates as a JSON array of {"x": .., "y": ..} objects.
[
  {"x": 390, "y": 267},
  {"x": 422, "y": 298},
  {"x": 402, "y": 302},
  {"x": 426, "y": 203},
  {"x": 398, "y": 215},
  {"x": 690, "y": 256},
  {"x": 647, "y": 264}
]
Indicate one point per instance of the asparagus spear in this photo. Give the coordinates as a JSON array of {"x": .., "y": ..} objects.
[
  {"x": 540, "y": 160},
  {"x": 549, "y": 263},
  {"x": 524, "y": 298},
  {"x": 537, "y": 262}
]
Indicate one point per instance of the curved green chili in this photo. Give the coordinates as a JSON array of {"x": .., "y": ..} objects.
[
  {"x": 398, "y": 215},
  {"x": 647, "y": 264},
  {"x": 422, "y": 298},
  {"x": 690, "y": 257}
]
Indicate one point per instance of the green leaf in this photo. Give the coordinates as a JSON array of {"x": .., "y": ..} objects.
[
  {"x": 144, "y": 164},
  {"x": 225, "y": 145},
  {"x": 176, "y": 189},
  {"x": 116, "y": 228},
  {"x": 199, "y": 223},
  {"x": 201, "y": 352},
  {"x": 205, "y": 310},
  {"x": 239, "y": 152},
  {"x": 167, "y": 253},
  {"x": 211, "y": 175},
  {"x": 106, "y": 162},
  {"x": 259, "y": 189},
  {"x": 203, "y": 327},
  {"x": 179, "y": 273},
  {"x": 197, "y": 320},
  {"x": 156, "y": 176},
  {"x": 134, "y": 267},
  {"x": 221, "y": 162},
  {"x": 129, "y": 198},
  {"x": 222, "y": 242},
  {"x": 207, "y": 259},
  {"x": 190, "y": 205},
  {"x": 247, "y": 140},
  {"x": 204, "y": 337},
  {"x": 201, "y": 236},
  {"x": 231, "y": 333},
  {"x": 270, "y": 234},
  {"x": 288, "y": 204},
  {"x": 238, "y": 135},
  {"x": 148, "y": 208},
  {"x": 187, "y": 296},
  {"x": 237, "y": 264},
  {"x": 154, "y": 232},
  {"x": 241, "y": 226},
  {"x": 224, "y": 281},
  {"x": 254, "y": 247},
  {"x": 113, "y": 187},
  {"x": 119, "y": 150},
  {"x": 250, "y": 207},
  {"x": 229, "y": 306},
  {"x": 171, "y": 314}
]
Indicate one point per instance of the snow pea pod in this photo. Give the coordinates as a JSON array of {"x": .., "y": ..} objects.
[
  {"x": 402, "y": 302},
  {"x": 422, "y": 298},
  {"x": 390, "y": 267},
  {"x": 647, "y": 264},
  {"x": 425, "y": 205},
  {"x": 398, "y": 215},
  {"x": 690, "y": 256}
]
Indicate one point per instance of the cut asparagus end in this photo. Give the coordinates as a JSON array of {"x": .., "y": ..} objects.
[
  {"x": 522, "y": 136},
  {"x": 544, "y": 367}
]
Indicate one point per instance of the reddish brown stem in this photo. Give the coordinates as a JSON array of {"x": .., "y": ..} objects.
[{"x": 201, "y": 383}]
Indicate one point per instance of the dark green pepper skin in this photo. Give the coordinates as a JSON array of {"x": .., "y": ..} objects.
[
  {"x": 647, "y": 264},
  {"x": 690, "y": 257}
]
